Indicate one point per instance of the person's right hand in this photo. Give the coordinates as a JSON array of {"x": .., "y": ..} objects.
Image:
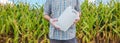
[{"x": 53, "y": 21}]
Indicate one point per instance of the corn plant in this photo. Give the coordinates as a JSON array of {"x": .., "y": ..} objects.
[{"x": 24, "y": 24}]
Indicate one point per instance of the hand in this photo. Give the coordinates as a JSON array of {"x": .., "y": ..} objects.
[
  {"x": 76, "y": 20},
  {"x": 53, "y": 21}
]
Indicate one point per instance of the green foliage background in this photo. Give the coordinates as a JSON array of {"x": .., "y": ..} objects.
[{"x": 22, "y": 24}]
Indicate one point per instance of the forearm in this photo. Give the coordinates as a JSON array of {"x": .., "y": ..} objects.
[{"x": 47, "y": 17}]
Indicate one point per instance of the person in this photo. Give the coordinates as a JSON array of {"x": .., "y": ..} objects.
[{"x": 52, "y": 10}]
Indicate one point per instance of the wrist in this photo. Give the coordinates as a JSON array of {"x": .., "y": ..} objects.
[{"x": 50, "y": 20}]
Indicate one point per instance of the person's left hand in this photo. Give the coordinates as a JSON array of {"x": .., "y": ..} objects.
[{"x": 76, "y": 20}]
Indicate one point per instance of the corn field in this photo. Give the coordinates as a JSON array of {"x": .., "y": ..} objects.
[{"x": 22, "y": 24}]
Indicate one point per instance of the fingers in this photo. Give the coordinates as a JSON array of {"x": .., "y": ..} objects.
[
  {"x": 53, "y": 21},
  {"x": 57, "y": 27},
  {"x": 76, "y": 20}
]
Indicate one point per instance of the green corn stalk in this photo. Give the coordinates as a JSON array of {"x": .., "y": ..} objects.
[{"x": 23, "y": 24}]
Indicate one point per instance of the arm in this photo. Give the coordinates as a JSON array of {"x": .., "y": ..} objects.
[
  {"x": 77, "y": 7},
  {"x": 47, "y": 12},
  {"x": 47, "y": 17},
  {"x": 52, "y": 21}
]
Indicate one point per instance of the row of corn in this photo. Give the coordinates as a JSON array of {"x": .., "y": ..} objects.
[{"x": 24, "y": 24}]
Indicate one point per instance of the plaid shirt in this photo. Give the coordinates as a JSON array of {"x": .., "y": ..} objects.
[{"x": 54, "y": 8}]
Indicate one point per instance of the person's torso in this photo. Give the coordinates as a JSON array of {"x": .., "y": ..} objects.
[{"x": 58, "y": 6}]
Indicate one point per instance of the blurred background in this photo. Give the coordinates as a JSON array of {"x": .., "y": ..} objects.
[
  {"x": 41, "y": 2},
  {"x": 19, "y": 23}
]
